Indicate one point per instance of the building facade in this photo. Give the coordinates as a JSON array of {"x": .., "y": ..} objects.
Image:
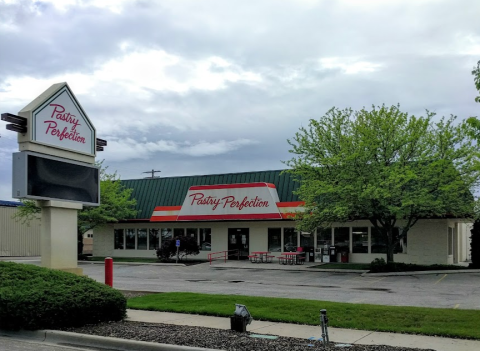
[
  {"x": 253, "y": 211},
  {"x": 17, "y": 238}
]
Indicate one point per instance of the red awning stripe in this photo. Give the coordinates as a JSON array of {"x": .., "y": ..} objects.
[
  {"x": 163, "y": 218},
  {"x": 167, "y": 208}
]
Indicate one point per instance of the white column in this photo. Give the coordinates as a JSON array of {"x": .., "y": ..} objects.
[{"x": 59, "y": 235}]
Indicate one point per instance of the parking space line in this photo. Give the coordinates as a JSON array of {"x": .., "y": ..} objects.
[
  {"x": 369, "y": 280},
  {"x": 438, "y": 281}
]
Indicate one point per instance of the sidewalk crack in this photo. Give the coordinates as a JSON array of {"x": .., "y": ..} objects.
[{"x": 363, "y": 337}]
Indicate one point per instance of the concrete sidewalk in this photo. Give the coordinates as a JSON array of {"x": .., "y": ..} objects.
[{"x": 337, "y": 335}]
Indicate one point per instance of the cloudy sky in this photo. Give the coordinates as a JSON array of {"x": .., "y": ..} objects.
[{"x": 212, "y": 86}]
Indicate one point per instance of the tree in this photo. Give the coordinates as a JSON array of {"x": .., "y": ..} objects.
[
  {"x": 476, "y": 79},
  {"x": 115, "y": 204},
  {"x": 473, "y": 125},
  {"x": 188, "y": 246},
  {"x": 385, "y": 166}
]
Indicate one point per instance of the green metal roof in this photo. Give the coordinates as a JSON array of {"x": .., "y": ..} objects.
[{"x": 171, "y": 191}]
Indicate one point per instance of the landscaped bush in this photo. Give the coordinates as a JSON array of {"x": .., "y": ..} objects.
[
  {"x": 34, "y": 297},
  {"x": 379, "y": 265}
]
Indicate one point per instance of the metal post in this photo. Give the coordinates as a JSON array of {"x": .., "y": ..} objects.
[
  {"x": 177, "y": 254},
  {"x": 109, "y": 271},
  {"x": 324, "y": 323}
]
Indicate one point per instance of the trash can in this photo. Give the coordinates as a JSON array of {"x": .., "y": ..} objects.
[
  {"x": 333, "y": 253},
  {"x": 344, "y": 257},
  {"x": 240, "y": 319}
]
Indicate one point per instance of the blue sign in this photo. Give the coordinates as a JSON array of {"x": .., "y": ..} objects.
[{"x": 178, "y": 243}]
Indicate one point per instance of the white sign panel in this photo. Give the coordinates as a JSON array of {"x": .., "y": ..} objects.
[
  {"x": 61, "y": 122},
  {"x": 231, "y": 201}
]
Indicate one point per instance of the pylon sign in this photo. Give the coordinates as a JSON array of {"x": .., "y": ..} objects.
[
  {"x": 57, "y": 150},
  {"x": 58, "y": 125}
]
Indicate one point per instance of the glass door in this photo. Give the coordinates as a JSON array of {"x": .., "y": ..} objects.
[{"x": 238, "y": 239}]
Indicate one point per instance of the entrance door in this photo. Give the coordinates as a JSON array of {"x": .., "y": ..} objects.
[{"x": 238, "y": 239}]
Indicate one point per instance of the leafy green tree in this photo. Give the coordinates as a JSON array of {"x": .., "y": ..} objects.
[
  {"x": 115, "y": 204},
  {"x": 476, "y": 79},
  {"x": 473, "y": 128},
  {"x": 385, "y": 166}
]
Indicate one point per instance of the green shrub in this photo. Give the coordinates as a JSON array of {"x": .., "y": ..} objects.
[
  {"x": 33, "y": 297},
  {"x": 188, "y": 246},
  {"x": 379, "y": 265}
]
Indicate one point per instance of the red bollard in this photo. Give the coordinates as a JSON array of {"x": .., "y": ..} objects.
[{"x": 109, "y": 271}]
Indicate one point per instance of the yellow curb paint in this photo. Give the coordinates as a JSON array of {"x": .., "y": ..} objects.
[
  {"x": 456, "y": 306},
  {"x": 438, "y": 281}
]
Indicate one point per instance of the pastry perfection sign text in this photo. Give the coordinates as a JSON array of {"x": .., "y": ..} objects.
[
  {"x": 70, "y": 124},
  {"x": 230, "y": 201},
  {"x": 61, "y": 122},
  {"x": 200, "y": 199}
]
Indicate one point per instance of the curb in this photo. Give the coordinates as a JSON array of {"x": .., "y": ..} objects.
[
  {"x": 363, "y": 273},
  {"x": 392, "y": 274},
  {"x": 135, "y": 263},
  {"x": 76, "y": 339}
]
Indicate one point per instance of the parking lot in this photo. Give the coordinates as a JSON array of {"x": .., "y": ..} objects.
[{"x": 433, "y": 290}]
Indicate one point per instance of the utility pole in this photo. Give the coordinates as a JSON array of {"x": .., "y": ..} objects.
[{"x": 153, "y": 174}]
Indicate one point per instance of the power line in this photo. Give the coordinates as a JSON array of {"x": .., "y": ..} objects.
[{"x": 153, "y": 173}]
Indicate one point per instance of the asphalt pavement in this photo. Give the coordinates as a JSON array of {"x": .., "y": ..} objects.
[{"x": 445, "y": 289}]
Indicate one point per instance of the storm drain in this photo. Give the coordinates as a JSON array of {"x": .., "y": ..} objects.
[
  {"x": 373, "y": 289},
  {"x": 198, "y": 280}
]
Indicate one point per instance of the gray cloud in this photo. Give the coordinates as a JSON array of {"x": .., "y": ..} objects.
[{"x": 218, "y": 86}]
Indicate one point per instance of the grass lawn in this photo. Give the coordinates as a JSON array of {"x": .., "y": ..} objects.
[
  {"x": 413, "y": 320},
  {"x": 357, "y": 266}
]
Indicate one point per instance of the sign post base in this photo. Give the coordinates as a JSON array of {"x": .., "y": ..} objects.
[{"x": 59, "y": 235}]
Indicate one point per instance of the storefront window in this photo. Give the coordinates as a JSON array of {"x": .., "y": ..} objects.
[
  {"x": 192, "y": 233},
  {"x": 142, "y": 239},
  {"x": 379, "y": 242},
  {"x": 307, "y": 240},
  {"x": 401, "y": 247},
  {"x": 342, "y": 238},
  {"x": 275, "y": 239},
  {"x": 119, "y": 236},
  {"x": 289, "y": 239},
  {"x": 360, "y": 240},
  {"x": 153, "y": 236},
  {"x": 205, "y": 239},
  {"x": 166, "y": 234},
  {"x": 178, "y": 232},
  {"x": 324, "y": 237},
  {"x": 130, "y": 239}
]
